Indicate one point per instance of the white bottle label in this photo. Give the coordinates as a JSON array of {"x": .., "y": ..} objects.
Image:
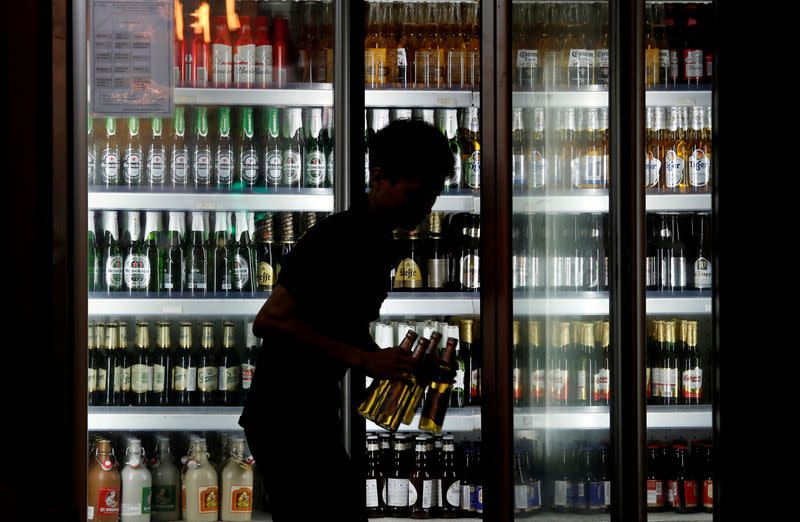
[
  {"x": 699, "y": 168},
  {"x": 427, "y": 494},
  {"x": 602, "y": 57},
  {"x": 158, "y": 378},
  {"x": 693, "y": 60},
  {"x": 527, "y": 58},
  {"x": 274, "y": 161},
  {"x": 693, "y": 383},
  {"x": 241, "y": 272},
  {"x": 412, "y": 494},
  {"x": 372, "y": 493},
  {"x": 670, "y": 383},
  {"x": 207, "y": 378},
  {"x": 180, "y": 166},
  {"x": 137, "y": 272},
  {"x": 224, "y": 164},
  {"x": 652, "y": 169},
  {"x": 292, "y": 167},
  {"x": 191, "y": 379},
  {"x": 244, "y": 65},
  {"x": 263, "y": 65},
  {"x": 141, "y": 378},
  {"x": 247, "y": 375},
  {"x": 453, "y": 494},
  {"x": 473, "y": 168},
  {"x": 329, "y": 165},
  {"x": 249, "y": 166},
  {"x": 156, "y": 166},
  {"x": 202, "y": 166},
  {"x": 114, "y": 271},
  {"x": 702, "y": 273},
  {"x": 109, "y": 166},
  {"x": 466, "y": 498},
  {"x": 229, "y": 378},
  {"x": 674, "y": 169},
  {"x": 222, "y": 56},
  {"x": 663, "y": 56},
  {"x": 397, "y": 492},
  {"x": 132, "y": 166},
  {"x": 560, "y": 495},
  {"x": 402, "y": 60},
  {"x": 91, "y": 162},
  {"x": 89, "y": 512},
  {"x": 538, "y": 165},
  {"x": 581, "y": 57},
  {"x": 520, "y": 497},
  {"x": 315, "y": 169}
]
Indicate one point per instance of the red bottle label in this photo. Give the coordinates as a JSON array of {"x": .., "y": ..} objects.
[
  {"x": 708, "y": 493},
  {"x": 690, "y": 493},
  {"x": 655, "y": 493},
  {"x": 108, "y": 500}
]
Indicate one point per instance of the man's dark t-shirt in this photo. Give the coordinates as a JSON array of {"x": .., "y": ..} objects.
[{"x": 338, "y": 273}]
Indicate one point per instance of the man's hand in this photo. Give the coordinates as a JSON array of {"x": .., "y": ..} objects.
[{"x": 389, "y": 363}]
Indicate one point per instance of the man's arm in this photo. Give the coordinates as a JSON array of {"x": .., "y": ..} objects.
[{"x": 279, "y": 319}]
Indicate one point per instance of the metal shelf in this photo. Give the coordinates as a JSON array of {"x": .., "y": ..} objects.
[
  {"x": 599, "y": 98},
  {"x": 397, "y": 304},
  {"x": 597, "y": 201},
  {"x": 317, "y": 95},
  {"x": 168, "y": 418},
  {"x": 597, "y": 417},
  {"x": 457, "y": 419},
  {"x": 596, "y": 303},
  {"x": 281, "y": 199},
  {"x": 413, "y": 98},
  {"x": 460, "y": 201}
]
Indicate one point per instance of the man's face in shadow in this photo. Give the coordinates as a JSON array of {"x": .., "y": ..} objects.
[{"x": 406, "y": 202}]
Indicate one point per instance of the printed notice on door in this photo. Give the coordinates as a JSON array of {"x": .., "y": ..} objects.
[{"x": 129, "y": 59}]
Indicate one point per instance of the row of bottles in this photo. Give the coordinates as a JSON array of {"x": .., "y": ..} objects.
[
  {"x": 243, "y": 254},
  {"x": 680, "y": 476},
  {"x": 442, "y": 254},
  {"x": 678, "y": 149},
  {"x": 266, "y": 147},
  {"x": 467, "y": 358},
  {"x": 253, "y": 44},
  {"x": 159, "y": 374},
  {"x": 426, "y": 45},
  {"x": 461, "y": 127},
  {"x": 157, "y": 489},
  {"x": 674, "y": 363}
]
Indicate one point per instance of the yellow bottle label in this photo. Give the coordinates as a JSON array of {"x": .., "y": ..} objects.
[
  {"x": 241, "y": 499},
  {"x": 265, "y": 275},
  {"x": 375, "y": 66},
  {"x": 209, "y": 499},
  {"x": 412, "y": 275}
]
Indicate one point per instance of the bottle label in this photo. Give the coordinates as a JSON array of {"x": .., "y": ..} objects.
[
  {"x": 244, "y": 65},
  {"x": 126, "y": 379},
  {"x": 693, "y": 63},
  {"x": 473, "y": 168},
  {"x": 249, "y": 166},
  {"x": 156, "y": 166},
  {"x": 517, "y": 170},
  {"x": 114, "y": 272},
  {"x": 241, "y": 499},
  {"x": 91, "y": 162},
  {"x": 437, "y": 491},
  {"x": 247, "y": 375},
  {"x": 699, "y": 168},
  {"x": 538, "y": 164},
  {"x": 164, "y": 499},
  {"x": 202, "y": 166},
  {"x": 265, "y": 276},
  {"x": 587, "y": 171},
  {"x": 581, "y": 492},
  {"x": 663, "y": 58},
  {"x": 674, "y": 169},
  {"x": 141, "y": 378},
  {"x": 140, "y": 507},
  {"x": 180, "y": 378},
  {"x": 520, "y": 497},
  {"x": 475, "y": 383},
  {"x": 366, "y": 169},
  {"x": 228, "y": 378},
  {"x": 412, "y": 494},
  {"x": 109, "y": 166},
  {"x": 459, "y": 384},
  {"x": 597, "y": 495},
  {"x": 561, "y": 497},
  {"x": 101, "y": 379},
  {"x": 602, "y": 57},
  {"x": 427, "y": 494},
  {"x": 673, "y": 64},
  {"x": 470, "y": 271},
  {"x": 89, "y": 512},
  {"x": 329, "y": 166},
  {"x": 375, "y": 66},
  {"x": 455, "y": 180},
  {"x": 263, "y": 68},
  {"x": 197, "y": 279},
  {"x": 689, "y": 494},
  {"x": 158, "y": 378},
  {"x": 137, "y": 272},
  {"x": 657, "y": 381},
  {"x": 224, "y": 165},
  {"x": 669, "y": 386},
  {"x": 398, "y": 492},
  {"x": 222, "y": 58},
  {"x": 372, "y": 493},
  {"x": 535, "y": 495},
  {"x": 292, "y": 167},
  {"x": 410, "y": 274},
  {"x": 207, "y": 378},
  {"x": 516, "y": 377},
  {"x": 559, "y": 384},
  {"x": 437, "y": 273},
  {"x": 527, "y": 58},
  {"x": 315, "y": 169},
  {"x": 672, "y": 490},
  {"x": 466, "y": 498},
  {"x": 655, "y": 494},
  {"x": 677, "y": 272},
  {"x": 241, "y": 272},
  {"x": 274, "y": 162},
  {"x": 132, "y": 166},
  {"x": 693, "y": 383},
  {"x": 453, "y": 495},
  {"x": 652, "y": 170},
  {"x": 708, "y": 493},
  {"x": 651, "y": 271},
  {"x": 538, "y": 384},
  {"x": 92, "y": 380},
  {"x": 208, "y": 497},
  {"x": 118, "y": 379},
  {"x": 582, "y": 385},
  {"x": 581, "y": 57},
  {"x": 180, "y": 166},
  {"x": 702, "y": 273},
  {"x": 108, "y": 500},
  {"x": 602, "y": 380}
]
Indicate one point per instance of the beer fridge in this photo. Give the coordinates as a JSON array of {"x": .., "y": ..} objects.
[{"x": 579, "y": 234}]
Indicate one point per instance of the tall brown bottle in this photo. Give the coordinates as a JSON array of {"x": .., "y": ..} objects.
[{"x": 103, "y": 492}]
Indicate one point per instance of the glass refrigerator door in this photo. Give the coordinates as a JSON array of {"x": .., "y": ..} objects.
[
  {"x": 561, "y": 349},
  {"x": 422, "y": 61},
  {"x": 189, "y": 217},
  {"x": 679, "y": 366}
]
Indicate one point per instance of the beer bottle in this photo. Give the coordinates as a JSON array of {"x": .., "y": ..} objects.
[
  {"x": 535, "y": 169},
  {"x": 435, "y": 256},
  {"x": 161, "y": 394},
  {"x": 702, "y": 264},
  {"x": 519, "y": 259},
  {"x": 109, "y": 157},
  {"x": 675, "y": 154},
  {"x": 201, "y": 150},
  {"x": 222, "y": 54},
  {"x": 458, "y": 395},
  {"x": 584, "y": 480},
  {"x": 103, "y": 483},
  {"x": 111, "y": 256},
  {"x": 292, "y": 148},
  {"x": 519, "y": 146},
  {"x": 228, "y": 371},
  {"x": 409, "y": 271},
  {"x": 664, "y": 254},
  {"x": 328, "y": 145},
  {"x": 601, "y": 54},
  {"x": 577, "y": 58},
  {"x": 684, "y": 486},
  {"x": 387, "y": 456},
  {"x": 430, "y": 362},
  {"x": 599, "y": 495},
  {"x": 474, "y": 361},
  {"x": 94, "y": 257},
  {"x": 374, "y": 478},
  {"x": 601, "y": 378},
  {"x": 223, "y": 161},
  {"x": 567, "y": 175},
  {"x": 265, "y": 251},
  {"x": 700, "y": 146},
  {"x": 692, "y": 371},
  {"x": 469, "y": 485},
  {"x": 406, "y": 44},
  {"x": 136, "y": 267},
  {"x": 670, "y": 364},
  {"x": 306, "y": 52},
  {"x": 91, "y": 151},
  {"x": 391, "y": 408},
  {"x": 451, "y": 483},
  {"x": 560, "y": 386},
  {"x": 179, "y": 153},
  {"x": 534, "y": 485},
  {"x": 397, "y": 490},
  {"x": 437, "y": 398},
  {"x": 653, "y": 362},
  {"x": 565, "y": 485},
  {"x": 132, "y": 157},
  {"x": 678, "y": 276},
  {"x": 197, "y": 257},
  {"x": 366, "y": 151},
  {"x": 150, "y": 251},
  {"x": 652, "y": 275},
  {"x": 471, "y": 148},
  {"x": 469, "y": 265},
  {"x": 693, "y": 57},
  {"x": 518, "y": 371},
  {"x": 156, "y": 168},
  {"x": 113, "y": 337},
  {"x": 141, "y": 367},
  {"x": 535, "y": 391},
  {"x": 584, "y": 364},
  {"x": 244, "y": 56},
  {"x": 221, "y": 255},
  {"x": 660, "y": 35},
  {"x": 456, "y": 48},
  {"x": 652, "y": 52},
  {"x": 448, "y": 125},
  {"x": 314, "y": 168},
  {"x": 654, "y": 148},
  {"x": 105, "y": 371},
  {"x": 421, "y": 483},
  {"x": 527, "y": 67},
  {"x": 93, "y": 363},
  {"x": 473, "y": 46},
  {"x": 166, "y": 503},
  {"x": 249, "y": 361},
  {"x": 248, "y": 150},
  {"x": 184, "y": 370},
  {"x": 707, "y": 475},
  {"x": 207, "y": 371},
  {"x": 655, "y": 491},
  {"x": 170, "y": 261},
  {"x": 287, "y": 239},
  {"x": 243, "y": 256},
  {"x": 273, "y": 155}
]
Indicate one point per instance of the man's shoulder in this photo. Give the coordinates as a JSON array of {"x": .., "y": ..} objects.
[{"x": 334, "y": 226}]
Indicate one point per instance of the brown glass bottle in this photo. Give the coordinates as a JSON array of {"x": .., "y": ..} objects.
[
  {"x": 374, "y": 479},
  {"x": 438, "y": 394},
  {"x": 420, "y": 483},
  {"x": 207, "y": 370},
  {"x": 103, "y": 484}
]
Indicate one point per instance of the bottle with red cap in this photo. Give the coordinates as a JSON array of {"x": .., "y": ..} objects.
[
  {"x": 693, "y": 59},
  {"x": 263, "y": 63},
  {"x": 222, "y": 54},
  {"x": 244, "y": 56},
  {"x": 280, "y": 59}
]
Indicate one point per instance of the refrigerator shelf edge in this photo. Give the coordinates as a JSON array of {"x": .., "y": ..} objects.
[
  {"x": 421, "y": 98},
  {"x": 597, "y": 417},
  {"x": 597, "y": 201},
  {"x": 457, "y": 420},
  {"x": 598, "y": 98},
  {"x": 596, "y": 303},
  {"x": 301, "y": 200},
  {"x": 310, "y": 97}
]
